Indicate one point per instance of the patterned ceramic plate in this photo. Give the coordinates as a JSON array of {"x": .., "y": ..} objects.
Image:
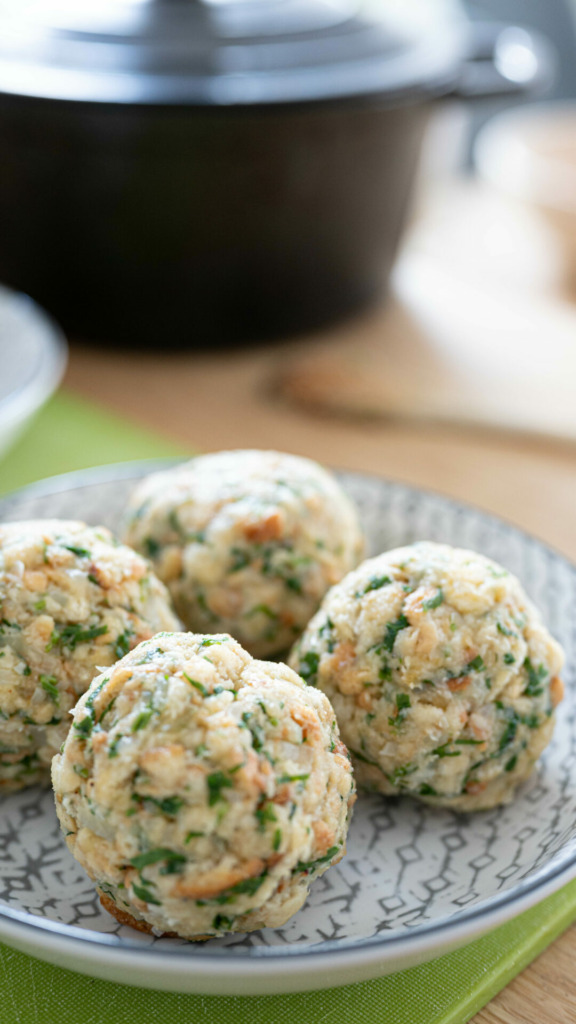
[{"x": 416, "y": 881}]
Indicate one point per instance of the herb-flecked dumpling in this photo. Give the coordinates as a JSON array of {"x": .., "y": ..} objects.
[
  {"x": 248, "y": 542},
  {"x": 202, "y": 790},
  {"x": 442, "y": 675},
  {"x": 71, "y": 599}
]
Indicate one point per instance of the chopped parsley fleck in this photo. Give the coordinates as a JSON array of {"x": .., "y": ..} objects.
[
  {"x": 277, "y": 839},
  {"x": 151, "y": 547},
  {"x": 216, "y": 782},
  {"x": 468, "y": 778},
  {"x": 144, "y": 894},
  {"x": 309, "y": 667},
  {"x": 509, "y": 659},
  {"x": 81, "y": 552},
  {"x": 150, "y": 655},
  {"x": 168, "y": 805},
  {"x": 74, "y": 633},
  {"x": 326, "y": 631},
  {"x": 311, "y": 865},
  {"x": 221, "y": 922},
  {"x": 142, "y": 719},
  {"x": 32, "y": 721},
  {"x": 510, "y": 730},
  {"x": 392, "y": 630},
  {"x": 81, "y": 770},
  {"x": 384, "y": 672},
  {"x": 273, "y": 721},
  {"x": 426, "y": 790},
  {"x": 263, "y": 814},
  {"x": 210, "y": 641},
  {"x": 262, "y": 609},
  {"x": 293, "y": 778},
  {"x": 84, "y": 727},
  {"x": 161, "y": 854},
  {"x": 50, "y": 685},
  {"x": 476, "y": 665},
  {"x": 256, "y": 730},
  {"x": 511, "y": 764},
  {"x": 113, "y": 747},
  {"x": 433, "y": 602},
  {"x": 292, "y": 583},
  {"x": 443, "y": 751},
  {"x": 198, "y": 686},
  {"x": 28, "y": 763},
  {"x": 193, "y": 835},
  {"x": 240, "y": 559},
  {"x": 375, "y": 583},
  {"x": 504, "y": 630},
  {"x": 536, "y": 677},
  {"x": 247, "y": 887},
  {"x": 395, "y": 777},
  {"x": 40, "y": 605},
  {"x": 122, "y": 645},
  {"x": 402, "y": 705},
  {"x": 108, "y": 707},
  {"x": 469, "y": 743},
  {"x": 286, "y": 569}
]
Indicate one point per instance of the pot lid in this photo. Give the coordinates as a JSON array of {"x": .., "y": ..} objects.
[{"x": 223, "y": 52}]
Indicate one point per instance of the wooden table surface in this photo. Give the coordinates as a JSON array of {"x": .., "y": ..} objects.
[{"x": 230, "y": 400}]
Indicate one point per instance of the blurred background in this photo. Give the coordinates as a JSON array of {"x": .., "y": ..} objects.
[
  {"x": 340, "y": 228},
  {"x": 556, "y": 19},
  {"x": 319, "y": 222}
]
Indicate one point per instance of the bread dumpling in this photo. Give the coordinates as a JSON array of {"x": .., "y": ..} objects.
[
  {"x": 203, "y": 790},
  {"x": 442, "y": 675},
  {"x": 248, "y": 542},
  {"x": 72, "y": 599}
]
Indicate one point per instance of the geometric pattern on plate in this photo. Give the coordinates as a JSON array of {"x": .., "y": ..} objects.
[{"x": 409, "y": 867}]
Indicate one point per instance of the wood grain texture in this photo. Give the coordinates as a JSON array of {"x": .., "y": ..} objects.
[
  {"x": 545, "y": 993},
  {"x": 479, "y": 284},
  {"x": 213, "y": 402},
  {"x": 229, "y": 401}
]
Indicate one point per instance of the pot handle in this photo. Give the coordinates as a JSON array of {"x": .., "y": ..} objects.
[{"x": 505, "y": 60}]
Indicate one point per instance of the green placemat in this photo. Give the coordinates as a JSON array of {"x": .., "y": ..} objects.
[
  {"x": 448, "y": 990},
  {"x": 72, "y": 434}
]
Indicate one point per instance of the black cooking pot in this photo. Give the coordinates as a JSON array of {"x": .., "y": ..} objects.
[{"x": 201, "y": 172}]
